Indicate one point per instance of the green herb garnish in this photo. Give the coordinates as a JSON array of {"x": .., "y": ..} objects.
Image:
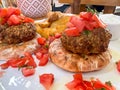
[{"x": 86, "y": 32}]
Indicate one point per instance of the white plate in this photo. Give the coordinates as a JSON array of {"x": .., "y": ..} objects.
[{"x": 14, "y": 80}]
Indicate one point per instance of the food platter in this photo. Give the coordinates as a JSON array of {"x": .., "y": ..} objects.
[{"x": 13, "y": 79}]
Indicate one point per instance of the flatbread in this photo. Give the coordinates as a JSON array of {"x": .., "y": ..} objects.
[
  {"x": 74, "y": 62},
  {"x": 14, "y": 50}
]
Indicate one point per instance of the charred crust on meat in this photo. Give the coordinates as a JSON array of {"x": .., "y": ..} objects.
[{"x": 18, "y": 33}]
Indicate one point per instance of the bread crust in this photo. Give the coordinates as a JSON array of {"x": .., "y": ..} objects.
[
  {"x": 74, "y": 62},
  {"x": 14, "y": 50}
]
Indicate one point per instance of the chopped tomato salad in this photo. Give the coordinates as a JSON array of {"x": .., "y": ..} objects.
[
  {"x": 78, "y": 83},
  {"x": 46, "y": 80},
  {"x": 85, "y": 21},
  {"x": 13, "y": 16}
]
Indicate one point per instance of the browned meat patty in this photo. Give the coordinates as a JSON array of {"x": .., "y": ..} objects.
[
  {"x": 19, "y": 33},
  {"x": 88, "y": 42}
]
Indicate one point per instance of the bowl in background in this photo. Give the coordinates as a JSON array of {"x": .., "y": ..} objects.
[
  {"x": 34, "y": 8},
  {"x": 113, "y": 24}
]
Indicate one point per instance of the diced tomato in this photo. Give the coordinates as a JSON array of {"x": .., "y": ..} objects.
[
  {"x": 4, "y": 65},
  {"x": 3, "y": 12},
  {"x": 42, "y": 50},
  {"x": 44, "y": 60},
  {"x": 57, "y": 35},
  {"x": 3, "y": 20},
  {"x": 28, "y": 20},
  {"x": 39, "y": 55},
  {"x": 13, "y": 20},
  {"x": 98, "y": 85},
  {"x": 94, "y": 24},
  {"x": 17, "y": 11},
  {"x": 18, "y": 62},
  {"x": 73, "y": 84},
  {"x": 11, "y": 10},
  {"x": 41, "y": 40},
  {"x": 78, "y": 76},
  {"x": 30, "y": 59},
  {"x": 13, "y": 62},
  {"x": 88, "y": 84},
  {"x": 69, "y": 25},
  {"x": 46, "y": 80},
  {"x": 78, "y": 23},
  {"x": 73, "y": 31},
  {"x": 118, "y": 65},
  {"x": 79, "y": 84},
  {"x": 28, "y": 71},
  {"x": 100, "y": 23},
  {"x": 21, "y": 17},
  {"x": 86, "y": 15},
  {"x": 51, "y": 39},
  {"x": 88, "y": 25}
]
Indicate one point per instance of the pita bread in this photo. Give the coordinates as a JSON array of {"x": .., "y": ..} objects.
[{"x": 74, "y": 62}]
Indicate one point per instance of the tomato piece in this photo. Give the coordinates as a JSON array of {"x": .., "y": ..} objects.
[
  {"x": 44, "y": 60},
  {"x": 71, "y": 85},
  {"x": 94, "y": 24},
  {"x": 118, "y": 65},
  {"x": 30, "y": 59},
  {"x": 42, "y": 50},
  {"x": 78, "y": 76},
  {"x": 78, "y": 23},
  {"x": 100, "y": 23},
  {"x": 3, "y": 12},
  {"x": 3, "y": 20},
  {"x": 13, "y": 20},
  {"x": 73, "y": 31},
  {"x": 51, "y": 39},
  {"x": 88, "y": 25},
  {"x": 69, "y": 25},
  {"x": 13, "y": 62},
  {"x": 28, "y": 71},
  {"x": 88, "y": 84},
  {"x": 57, "y": 35},
  {"x": 39, "y": 55},
  {"x": 17, "y": 11},
  {"x": 46, "y": 80},
  {"x": 11, "y": 10},
  {"x": 4, "y": 65},
  {"x": 98, "y": 85},
  {"x": 41, "y": 40},
  {"x": 86, "y": 15},
  {"x": 28, "y": 20}
]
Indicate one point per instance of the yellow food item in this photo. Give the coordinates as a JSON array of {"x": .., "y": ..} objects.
[{"x": 46, "y": 28}]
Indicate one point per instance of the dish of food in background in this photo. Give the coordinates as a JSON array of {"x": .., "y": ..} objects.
[
  {"x": 17, "y": 33},
  {"x": 55, "y": 23},
  {"x": 83, "y": 46}
]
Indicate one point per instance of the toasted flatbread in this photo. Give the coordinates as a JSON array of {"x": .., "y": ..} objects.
[
  {"x": 14, "y": 50},
  {"x": 74, "y": 62}
]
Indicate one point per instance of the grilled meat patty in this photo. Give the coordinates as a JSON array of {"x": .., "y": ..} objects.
[
  {"x": 17, "y": 34},
  {"x": 88, "y": 42}
]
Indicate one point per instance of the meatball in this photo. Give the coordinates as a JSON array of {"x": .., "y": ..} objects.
[
  {"x": 17, "y": 34},
  {"x": 88, "y": 42}
]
